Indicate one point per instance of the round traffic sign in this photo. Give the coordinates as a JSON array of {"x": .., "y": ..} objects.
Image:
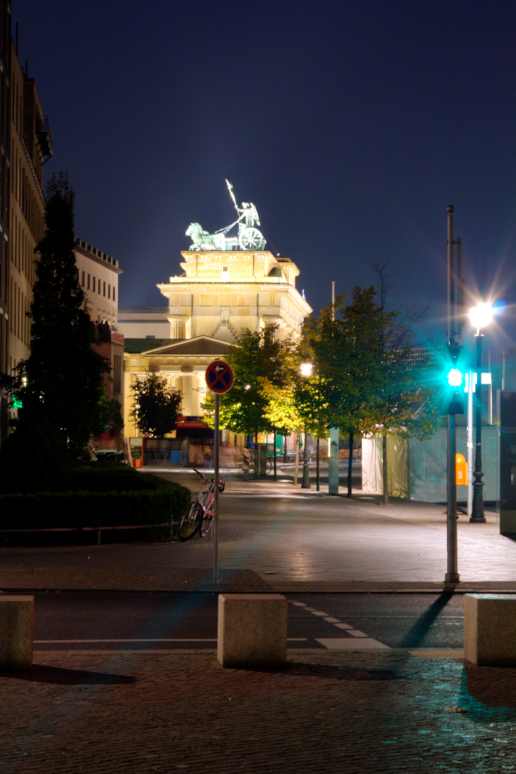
[{"x": 219, "y": 377}]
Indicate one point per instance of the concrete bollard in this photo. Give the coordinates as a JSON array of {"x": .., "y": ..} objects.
[
  {"x": 16, "y": 627},
  {"x": 252, "y": 630},
  {"x": 490, "y": 629}
]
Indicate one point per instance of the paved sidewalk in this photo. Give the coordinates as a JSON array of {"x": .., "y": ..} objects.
[
  {"x": 162, "y": 713},
  {"x": 277, "y": 536}
]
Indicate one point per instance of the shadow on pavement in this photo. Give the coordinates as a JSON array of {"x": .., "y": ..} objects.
[
  {"x": 416, "y": 635},
  {"x": 40, "y": 673},
  {"x": 330, "y": 672},
  {"x": 488, "y": 693}
]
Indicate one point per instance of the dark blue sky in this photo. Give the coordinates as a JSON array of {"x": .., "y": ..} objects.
[{"x": 351, "y": 126}]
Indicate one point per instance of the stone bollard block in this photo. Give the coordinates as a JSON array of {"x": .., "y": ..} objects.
[
  {"x": 16, "y": 628},
  {"x": 252, "y": 630},
  {"x": 490, "y": 629}
]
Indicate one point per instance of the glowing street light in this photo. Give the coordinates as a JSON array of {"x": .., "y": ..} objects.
[
  {"x": 306, "y": 370},
  {"x": 480, "y": 316}
]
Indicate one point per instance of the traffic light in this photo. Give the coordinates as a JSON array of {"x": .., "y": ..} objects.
[{"x": 455, "y": 379}]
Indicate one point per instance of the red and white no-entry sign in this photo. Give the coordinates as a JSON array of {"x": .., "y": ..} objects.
[{"x": 219, "y": 377}]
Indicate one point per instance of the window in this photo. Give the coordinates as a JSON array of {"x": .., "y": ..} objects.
[
  {"x": 82, "y": 278},
  {"x": 89, "y": 277},
  {"x": 103, "y": 288},
  {"x": 114, "y": 299},
  {"x": 94, "y": 280}
]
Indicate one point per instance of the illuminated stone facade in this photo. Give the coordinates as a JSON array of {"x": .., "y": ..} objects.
[
  {"x": 222, "y": 293},
  {"x": 98, "y": 278},
  {"x": 218, "y": 295}
]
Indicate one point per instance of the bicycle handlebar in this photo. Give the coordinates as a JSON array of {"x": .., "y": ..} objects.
[{"x": 222, "y": 484}]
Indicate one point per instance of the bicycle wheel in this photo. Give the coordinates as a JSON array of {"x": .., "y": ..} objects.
[{"x": 191, "y": 523}]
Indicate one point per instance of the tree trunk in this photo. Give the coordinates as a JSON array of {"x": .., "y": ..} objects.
[
  {"x": 256, "y": 456},
  {"x": 296, "y": 463},
  {"x": 317, "y": 464},
  {"x": 385, "y": 495},
  {"x": 351, "y": 438},
  {"x": 274, "y": 457},
  {"x": 284, "y": 449}
]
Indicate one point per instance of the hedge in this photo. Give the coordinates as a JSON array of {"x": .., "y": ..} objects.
[
  {"x": 91, "y": 479},
  {"x": 42, "y": 510}
]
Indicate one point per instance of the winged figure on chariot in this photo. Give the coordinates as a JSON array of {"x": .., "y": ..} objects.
[{"x": 248, "y": 236}]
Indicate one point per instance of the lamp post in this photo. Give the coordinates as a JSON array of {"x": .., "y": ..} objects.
[
  {"x": 480, "y": 316},
  {"x": 306, "y": 370}
]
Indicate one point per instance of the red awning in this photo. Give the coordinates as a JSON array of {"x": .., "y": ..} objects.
[{"x": 191, "y": 424}]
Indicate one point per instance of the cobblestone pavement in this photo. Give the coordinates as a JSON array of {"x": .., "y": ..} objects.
[{"x": 164, "y": 713}]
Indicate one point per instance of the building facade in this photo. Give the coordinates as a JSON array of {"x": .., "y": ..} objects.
[
  {"x": 218, "y": 295},
  {"x": 221, "y": 293},
  {"x": 31, "y": 147},
  {"x": 98, "y": 277},
  {"x": 5, "y": 145}
]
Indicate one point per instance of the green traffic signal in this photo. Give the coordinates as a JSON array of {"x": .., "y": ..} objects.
[{"x": 455, "y": 377}]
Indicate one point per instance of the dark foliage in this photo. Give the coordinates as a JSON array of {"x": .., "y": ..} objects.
[
  {"x": 156, "y": 406},
  {"x": 91, "y": 509},
  {"x": 63, "y": 375}
]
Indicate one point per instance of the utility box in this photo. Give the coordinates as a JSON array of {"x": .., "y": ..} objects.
[{"x": 508, "y": 463}]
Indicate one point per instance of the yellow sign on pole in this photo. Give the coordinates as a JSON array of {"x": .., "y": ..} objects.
[{"x": 461, "y": 470}]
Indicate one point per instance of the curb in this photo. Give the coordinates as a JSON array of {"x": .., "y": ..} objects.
[{"x": 489, "y": 587}]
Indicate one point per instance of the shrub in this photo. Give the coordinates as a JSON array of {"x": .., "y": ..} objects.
[
  {"x": 44, "y": 510},
  {"x": 92, "y": 478}
]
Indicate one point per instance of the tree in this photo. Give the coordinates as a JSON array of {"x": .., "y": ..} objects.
[
  {"x": 62, "y": 377},
  {"x": 262, "y": 365},
  {"x": 369, "y": 377},
  {"x": 281, "y": 412},
  {"x": 312, "y": 410},
  {"x": 156, "y": 406},
  {"x": 109, "y": 416}
]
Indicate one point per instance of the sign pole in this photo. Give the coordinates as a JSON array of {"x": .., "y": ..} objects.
[
  {"x": 451, "y": 577},
  {"x": 216, "y": 503},
  {"x": 219, "y": 378}
]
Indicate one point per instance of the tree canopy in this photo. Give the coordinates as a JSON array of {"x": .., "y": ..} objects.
[
  {"x": 156, "y": 406},
  {"x": 369, "y": 372},
  {"x": 62, "y": 377},
  {"x": 262, "y": 365}
]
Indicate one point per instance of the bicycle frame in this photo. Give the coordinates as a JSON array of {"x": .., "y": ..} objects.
[{"x": 206, "y": 500}]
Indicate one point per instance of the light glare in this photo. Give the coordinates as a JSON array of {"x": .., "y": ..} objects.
[
  {"x": 481, "y": 315},
  {"x": 454, "y": 377}
]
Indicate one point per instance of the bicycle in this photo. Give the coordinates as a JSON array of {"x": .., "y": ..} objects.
[{"x": 200, "y": 517}]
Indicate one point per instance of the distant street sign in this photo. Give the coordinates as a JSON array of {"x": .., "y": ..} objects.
[{"x": 219, "y": 377}]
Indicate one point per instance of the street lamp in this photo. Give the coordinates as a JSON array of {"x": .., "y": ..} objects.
[
  {"x": 306, "y": 371},
  {"x": 480, "y": 317}
]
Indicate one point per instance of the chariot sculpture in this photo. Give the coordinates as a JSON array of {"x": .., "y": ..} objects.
[{"x": 248, "y": 236}]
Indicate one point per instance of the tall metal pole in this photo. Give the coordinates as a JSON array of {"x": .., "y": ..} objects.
[
  {"x": 469, "y": 442},
  {"x": 216, "y": 503},
  {"x": 333, "y": 457},
  {"x": 452, "y": 575},
  {"x": 477, "y": 514}
]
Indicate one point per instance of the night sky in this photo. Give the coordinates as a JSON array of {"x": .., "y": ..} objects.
[{"x": 351, "y": 127}]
